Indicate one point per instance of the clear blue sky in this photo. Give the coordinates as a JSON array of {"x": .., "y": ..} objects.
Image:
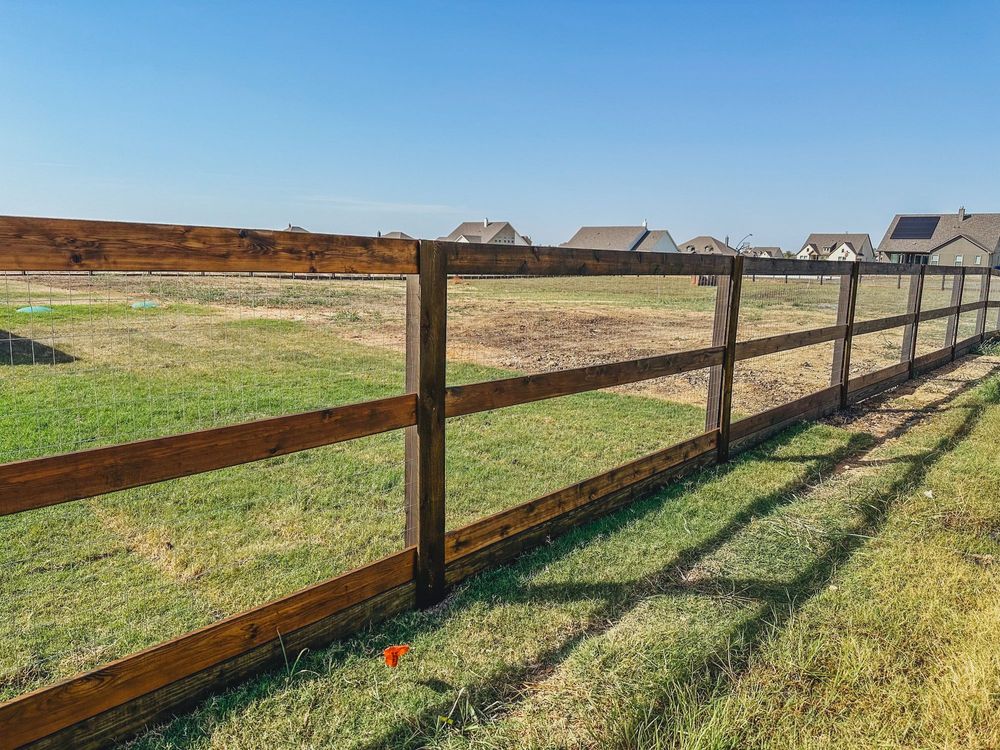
[{"x": 704, "y": 118}]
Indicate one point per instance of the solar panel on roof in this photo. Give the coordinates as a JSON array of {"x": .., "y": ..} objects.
[{"x": 915, "y": 227}]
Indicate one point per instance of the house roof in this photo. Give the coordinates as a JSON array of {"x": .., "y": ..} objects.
[
  {"x": 706, "y": 245},
  {"x": 980, "y": 229},
  {"x": 607, "y": 238},
  {"x": 477, "y": 231},
  {"x": 765, "y": 252},
  {"x": 397, "y": 236},
  {"x": 827, "y": 242},
  {"x": 652, "y": 238}
]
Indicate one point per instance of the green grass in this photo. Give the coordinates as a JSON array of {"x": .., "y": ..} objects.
[{"x": 763, "y": 604}]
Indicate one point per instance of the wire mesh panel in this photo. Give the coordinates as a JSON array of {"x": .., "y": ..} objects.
[
  {"x": 516, "y": 326},
  {"x": 875, "y": 351},
  {"x": 882, "y": 296},
  {"x": 90, "y": 360},
  {"x": 972, "y": 289},
  {"x": 937, "y": 293},
  {"x": 769, "y": 381},
  {"x": 771, "y": 305},
  {"x": 94, "y": 360}
]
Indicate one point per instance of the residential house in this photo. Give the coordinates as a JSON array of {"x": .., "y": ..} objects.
[
  {"x": 705, "y": 245},
  {"x": 395, "y": 235},
  {"x": 774, "y": 253},
  {"x": 487, "y": 232},
  {"x": 961, "y": 239},
  {"x": 832, "y": 246},
  {"x": 627, "y": 239}
]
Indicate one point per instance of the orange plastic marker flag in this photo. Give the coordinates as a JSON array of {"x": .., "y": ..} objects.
[{"x": 393, "y": 653}]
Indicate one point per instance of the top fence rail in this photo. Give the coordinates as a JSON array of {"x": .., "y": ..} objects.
[{"x": 41, "y": 244}]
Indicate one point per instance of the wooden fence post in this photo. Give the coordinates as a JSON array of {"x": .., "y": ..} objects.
[
  {"x": 426, "y": 336},
  {"x": 841, "y": 370},
  {"x": 720, "y": 381},
  {"x": 951, "y": 337},
  {"x": 916, "y": 293},
  {"x": 984, "y": 297}
]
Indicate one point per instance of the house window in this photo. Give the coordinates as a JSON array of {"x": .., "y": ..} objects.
[
  {"x": 958, "y": 260},
  {"x": 979, "y": 259},
  {"x": 935, "y": 259}
]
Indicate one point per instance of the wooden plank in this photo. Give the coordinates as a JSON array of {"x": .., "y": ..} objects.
[
  {"x": 872, "y": 378},
  {"x": 720, "y": 334},
  {"x": 862, "y": 327},
  {"x": 497, "y": 394},
  {"x": 931, "y": 360},
  {"x": 729, "y": 362},
  {"x": 957, "y": 288},
  {"x": 411, "y": 439},
  {"x": 970, "y": 307},
  {"x": 477, "y": 259},
  {"x": 984, "y": 301},
  {"x": 38, "y": 482},
  {"x": 473, "y": 561},
  {"x": 793, "y": 267},
  {"x": 869, "y": 268},
  {"x": 780, "y": 414},
  {"x": 34, "y": 244},
  {"x": 914, "y": 300},
  {"x": 938, "y": 312},
  {"x": 876, "y": 388},
  {"x": 786, "y": 341},
  {"x": 50, "y": 709},
  {"x": 506, "y": 523},
  {"x": 840, "y": 370},
  {"x": 427, "y": 497},
  {"x": 160, "y": 705},
  {"x": 967, "y": 345}
]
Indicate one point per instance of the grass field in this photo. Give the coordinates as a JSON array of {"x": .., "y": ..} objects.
[{"x": 91, "y": 581}]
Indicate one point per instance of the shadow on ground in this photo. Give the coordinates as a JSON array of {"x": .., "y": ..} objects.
[
  {"x": 504, "y": 688},
  {"x": 16, "y": 350}
]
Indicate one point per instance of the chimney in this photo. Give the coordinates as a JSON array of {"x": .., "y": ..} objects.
[
  {"x": 486, "y": 222},
  {"x": 727, "y": 240},
  {"x": 644, "y": 224},
  {"x": 378, "y": 233},
  {"x": 961, "y": 214}
]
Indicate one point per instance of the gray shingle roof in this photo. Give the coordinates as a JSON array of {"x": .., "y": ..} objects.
[
  {"x": 650, "y": 241},
  {"x": 765, "y": 252},
  {"x": 827, "y": 242},
  {"x": 982, "y": 229},
  {"x": 706, "y": 245},
  {"x": 397, "y": 236},
  {"x": 476, "y": 231},
  {"x": 606, "y": 238}
]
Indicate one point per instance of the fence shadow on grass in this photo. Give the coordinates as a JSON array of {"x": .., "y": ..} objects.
[
  {"x": 506, "y": 686},
  {"x": 17, "y": 350}
]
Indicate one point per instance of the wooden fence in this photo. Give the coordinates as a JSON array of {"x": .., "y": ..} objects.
[{"x": 120, "y": 698}]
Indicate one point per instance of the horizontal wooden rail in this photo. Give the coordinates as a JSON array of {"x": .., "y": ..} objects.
[
  {"x": 872, "y": 378},
  {"x": 33, "y": 244},
  {"x": 783, "y": 413},
  {"x": 889, "y": 269},
  {"x": 794, "y": 267},
  {"x": 931, "y": 360},
  {"x": 882, "y": 324},
  {"x": 38, "y": 482},
  {"x": 506, "y": 523},
  {"x": 938, "y": 312},
  {"x": 971, "y": 306},
  {"x": 42, "y": 712},
  {"x": 785, "y": 341},
  {"x": 477, "y": 259},
  {"x": 496, "y": 394},
  {"x": 968, "y": 344}
]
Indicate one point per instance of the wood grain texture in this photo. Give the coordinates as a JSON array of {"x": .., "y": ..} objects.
[
  {"x": 38, "y": 482},
  {"x": 931, "y": 360},
  {"x": 937, "y": 312},
  {"x": 861, "y": 327},
  {"x": 506, "y": 523},
  {"x": 720, "y": 338},
  {"x": 129, "y": 719},
  {"x": 511, "y": 546},
  {"x": 474, "y": 259},
  {"x": 869, "y": 268},
  {"x": 497, "y": 394},
  {"x": 785, "y": 412},
  {"x": 34, "y": 244},
  {"x": 793, "y": 267},
  {"x": 729, "y": 361},
  {"x": 785, "y": 341},
  {"x": 871, "y": 378},
  {"x": 42, "y": 712}
]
